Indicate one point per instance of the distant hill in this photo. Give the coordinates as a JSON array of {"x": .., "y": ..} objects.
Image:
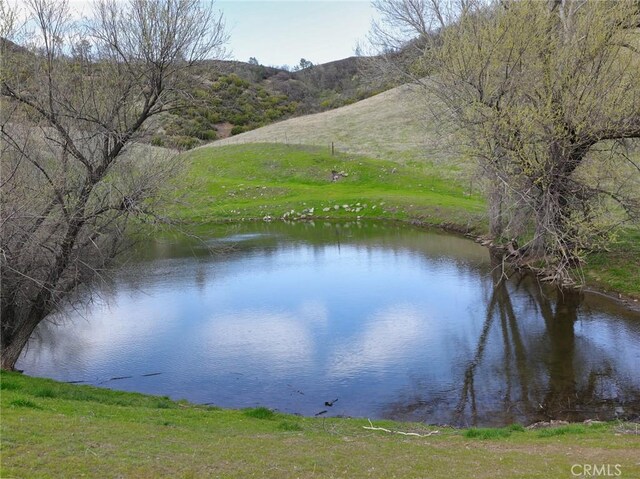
[
  {"x": 233, "y": 97},
  {"x": 315, "y": 88},
  {"x": 9, "y": 46},
  {"x": 227, "y": 98}
]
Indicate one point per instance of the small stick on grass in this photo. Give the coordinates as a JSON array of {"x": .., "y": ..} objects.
[{"x": 373, "y": 428}]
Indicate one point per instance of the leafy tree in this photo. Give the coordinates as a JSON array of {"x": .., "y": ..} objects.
[
  {"x": 546, "y": 96},
  {"x": 74, "y": 107},
  {"x": 304, "y": 64}
]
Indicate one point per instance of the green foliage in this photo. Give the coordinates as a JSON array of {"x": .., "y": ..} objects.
[
  {"x": 164, "y": 403},
  {"x": 499, "y": 433},
  {"x": 9, "y": 385},
  {"x": 488, "y": 433},
  {"x": 206, "y": 135},
  {"x": 185, "y": 142},
  {"x": 515, "y": 427},
  {"x": 236, "y": 130},
  {"x": 541, "y": 92},
  {"x": 562, "y": 430},
  {"x": 229, "y": 99},
  {"x": 44, "y": 392}
]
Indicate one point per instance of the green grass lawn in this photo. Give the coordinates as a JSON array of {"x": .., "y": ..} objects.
[
  {"x": 244, "y": 182},
  {"x": 57, "y": 430},
  {"x": 617, "y": 270}
]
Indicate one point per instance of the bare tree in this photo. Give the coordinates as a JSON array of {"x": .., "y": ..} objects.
[
  {"x": 75, "y": 104},
  {"x": 547, "y": 98},
  {"x": 8, "y": 19}
]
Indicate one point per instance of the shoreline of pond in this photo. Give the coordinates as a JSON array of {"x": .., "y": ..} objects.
[
  {"x": 165, "y": 401},
  {"x": 69, "y": 431}
]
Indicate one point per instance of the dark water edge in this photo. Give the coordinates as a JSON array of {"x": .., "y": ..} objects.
[{"x": 392, "y": 321}]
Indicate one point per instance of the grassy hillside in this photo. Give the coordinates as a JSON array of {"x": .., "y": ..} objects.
[
  {"x": 275, "y": 181},
  {"x": 230, "y": 97},
  {"x": 52, "y": 429},
  {"x": 390, "y": 125}
]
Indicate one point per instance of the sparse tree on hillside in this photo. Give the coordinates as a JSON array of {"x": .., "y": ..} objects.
[
  {"x": 73, "y": 105},
  {"x": 547, "y": 96},
  {"x": 303, "y": 65}
]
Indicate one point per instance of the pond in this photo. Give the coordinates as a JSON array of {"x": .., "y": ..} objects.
[{"x": 347, "y": 319}]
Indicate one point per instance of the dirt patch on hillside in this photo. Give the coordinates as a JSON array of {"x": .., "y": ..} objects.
[{"x": 224, "y": 130}]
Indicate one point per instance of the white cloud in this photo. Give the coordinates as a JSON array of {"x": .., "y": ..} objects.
[
  {"x": 276, "y": 341},
  {"x": 387, "y": 338}
]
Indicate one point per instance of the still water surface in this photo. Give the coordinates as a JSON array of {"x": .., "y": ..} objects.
[{"x": 391, "y": 321}]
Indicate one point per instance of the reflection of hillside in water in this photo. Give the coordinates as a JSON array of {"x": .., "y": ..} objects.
[
  {"x": 520, "y": 372},
  {"x": 231, "y": 243}
]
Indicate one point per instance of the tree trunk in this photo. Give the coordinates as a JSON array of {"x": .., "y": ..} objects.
[
  {"x": 496, "y": 226},
  {"x": 552, "y": 232},
  {"x": 14, "y": 341},
  {"x": 538, "y": 246}
]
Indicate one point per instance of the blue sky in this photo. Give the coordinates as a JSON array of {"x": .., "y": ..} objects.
[
  {"x": 283, "y": 32},
  {"x": 280, "y": 32}
]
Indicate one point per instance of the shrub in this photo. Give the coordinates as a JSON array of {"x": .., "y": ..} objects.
[
  {"x": 260, "y": 413},
  {"x": 236, "y": 130},
  {"x": 157, "y": 141},
  {"x": 207, "y": 135},
  {"x": 186, "y": 142}
]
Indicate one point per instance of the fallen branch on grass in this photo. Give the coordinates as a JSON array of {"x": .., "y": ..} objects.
[{"x": 373, "y": 428}]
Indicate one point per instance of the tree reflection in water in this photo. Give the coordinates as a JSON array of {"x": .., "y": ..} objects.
[
  {"x": 529, "y": 377},
  {"x": 395, "y": 322}
]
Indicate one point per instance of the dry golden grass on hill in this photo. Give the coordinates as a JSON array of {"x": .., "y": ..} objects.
[{"x": 393, "y": 125}]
